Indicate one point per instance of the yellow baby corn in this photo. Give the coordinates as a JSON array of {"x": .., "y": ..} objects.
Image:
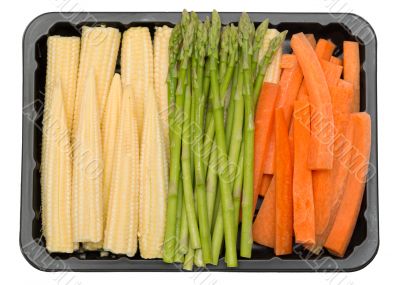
[
  {"x": 161, "y": 61},
  {"x": 87, "y": 202},
  {"x": 56, "y": 173},
  {"x": 137, "y": 68},
  {"x": 122, "y": 219},
  {"x": 153, "y": 183},
  {"x": 99, "y": 50},
  {"x": 62, "y": 63}
]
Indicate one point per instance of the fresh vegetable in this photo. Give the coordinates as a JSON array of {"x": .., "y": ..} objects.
[
  {"x": 324, "y": 49},
  {"x": 137, "y": 68},
  {"x": 265, "y": 182},
  {"x": 351, "y": 69},
  {"x": 264, "y": 224},
  {"x": 336, "y": 60},
  {"x": 99, "y": 51},
  {"x": 161, "y": 56},
  {"x": 56, "y": 172},
  {"x": 346, "y": 218},
  {"x": 303, "y": 201},
  {"x": 153, "y": 182},
  {"x": 120, "y": 234},
  {"x": 320, "y": 157},
  {"x": 284, "y": 186},
  {"x": 263, "y": 130},
  {"x": 273, "y": 72}
]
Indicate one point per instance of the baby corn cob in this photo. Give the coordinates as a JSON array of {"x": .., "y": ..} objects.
[
  {"x": 137, "y": 68},
  {"x": 122, "y": 219},
  {"x": 62, "y": 63},
  {"x": 273, "y": 73},
  {"x": 161, "y": 60},
  {"x": 87, "y": 202},
  {"x": 99, "y": 50},
  {"x": 153, "y": 183},
  {"x": 56, "y": 173},
  {"x": 109, "y": 127}
]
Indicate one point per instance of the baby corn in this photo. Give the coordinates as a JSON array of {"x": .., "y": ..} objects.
[
  {"x": 56, "y": 173},
  {"x": 153, "y": 183},
  {"x": 137, "y": 68},
  {"x": 122, "y": 219},
  {"x": 62, "y": 63},
  {"x": 87, "y": 202},
  {"x": 99, "y": 50},
  {"x": 161, "y": 61}
]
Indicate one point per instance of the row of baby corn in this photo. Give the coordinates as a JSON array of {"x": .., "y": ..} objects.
[{"x": 104, "y": 167}]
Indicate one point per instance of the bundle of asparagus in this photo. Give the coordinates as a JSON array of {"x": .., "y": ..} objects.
[{"x": 214, "y": 80}]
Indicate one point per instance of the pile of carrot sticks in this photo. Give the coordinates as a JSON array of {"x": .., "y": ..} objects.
[{"x": 311, "y": 151}]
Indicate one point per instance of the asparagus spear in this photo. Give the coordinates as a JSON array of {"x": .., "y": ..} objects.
[
  {"x": 178, "y": 255},
  {"x": 174, "y": 47},
  {"x": 237, "y": 185},
  {"x": 176, "y": 138},
  {"x": 265, "y": 62},
  {"x": 257, "y": 43},
  {"x": 226, "y": 195},
  {"x": 245, "y": 41},
  {"x": 223, "y": 52},
  {"x": 198, "y": 95}
]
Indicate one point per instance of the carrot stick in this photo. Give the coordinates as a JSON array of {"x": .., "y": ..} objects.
[
  {"x": 346, "y": 218},
  {"x": 303, "y": 94},
  {"x": 311, "y": 39},
  {"x": 342, "y": 97},
  {"x": 320, "y": 157},
  {"x": 351, "y": 69},
  {"x": 265, "y": 182},
  {"x": 264, "y": 224},
  {"x": 303, "y": 202},
  {"x": 336, "y": 60},
  {"x": 263, "y": 129},
  {"x": 290, "y": 82},
  {"x": 283, "y": 184},
  {"x": 332, "y": 72},
  {"x": 324, "y": 49},
  {"x": 288, "y": 61}
]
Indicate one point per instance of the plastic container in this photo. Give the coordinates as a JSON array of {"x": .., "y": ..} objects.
[{"x": 338, "y": 27}]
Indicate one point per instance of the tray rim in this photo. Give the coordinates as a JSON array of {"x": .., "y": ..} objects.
[{"x": 356, "y": 261}]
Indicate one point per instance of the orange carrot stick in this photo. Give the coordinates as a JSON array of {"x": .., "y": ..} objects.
[
  {"x": 351, "y": 69},
  {"x": 283, "y": 184},
  {"x": 303, "y": 202},
  {"x": 303, "y": 94},
  {"x": 342, "y": 97},
  {"x": 290, "y": 82},
  {"x": 320, "y": 157},
  {"x": 311, "y": 39},
  {"x": 332, "y": 72},
  {"x": 264, "y": 224},
  {"x": 336, "y": 60},
  {"x": 346, "y": 218},
  {"x": 263, "y": 130},
  {"x": 265, "y": 182},
  {"x": 324, "y": 49},
  {"x": 288, "y": 61}
]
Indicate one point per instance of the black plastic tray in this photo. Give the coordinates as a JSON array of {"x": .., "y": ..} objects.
[{"x": 338, "y": 27}]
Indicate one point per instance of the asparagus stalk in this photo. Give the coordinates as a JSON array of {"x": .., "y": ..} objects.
[
  {"x": 223, "y": 52},
  {"x": 245, "y": 41},
  {"x": 189, "y": 257},
  {"x": 237, "y": 185},
  {"x": 198, "y": 95},
  {"x": 257, "y": 43},
  {"x": 212, "y": 179},
  {"x": 178, "y": 255},
  {"x": 265, "y": 62},
  {"x": 187, "y": 171},
  {"x": 176, "y": 139},
  {"x": 174, "y": 47},
  {"x": 218, "y": 111}
]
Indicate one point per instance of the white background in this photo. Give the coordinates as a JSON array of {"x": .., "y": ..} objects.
[{"x": 381, "y": 15}]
